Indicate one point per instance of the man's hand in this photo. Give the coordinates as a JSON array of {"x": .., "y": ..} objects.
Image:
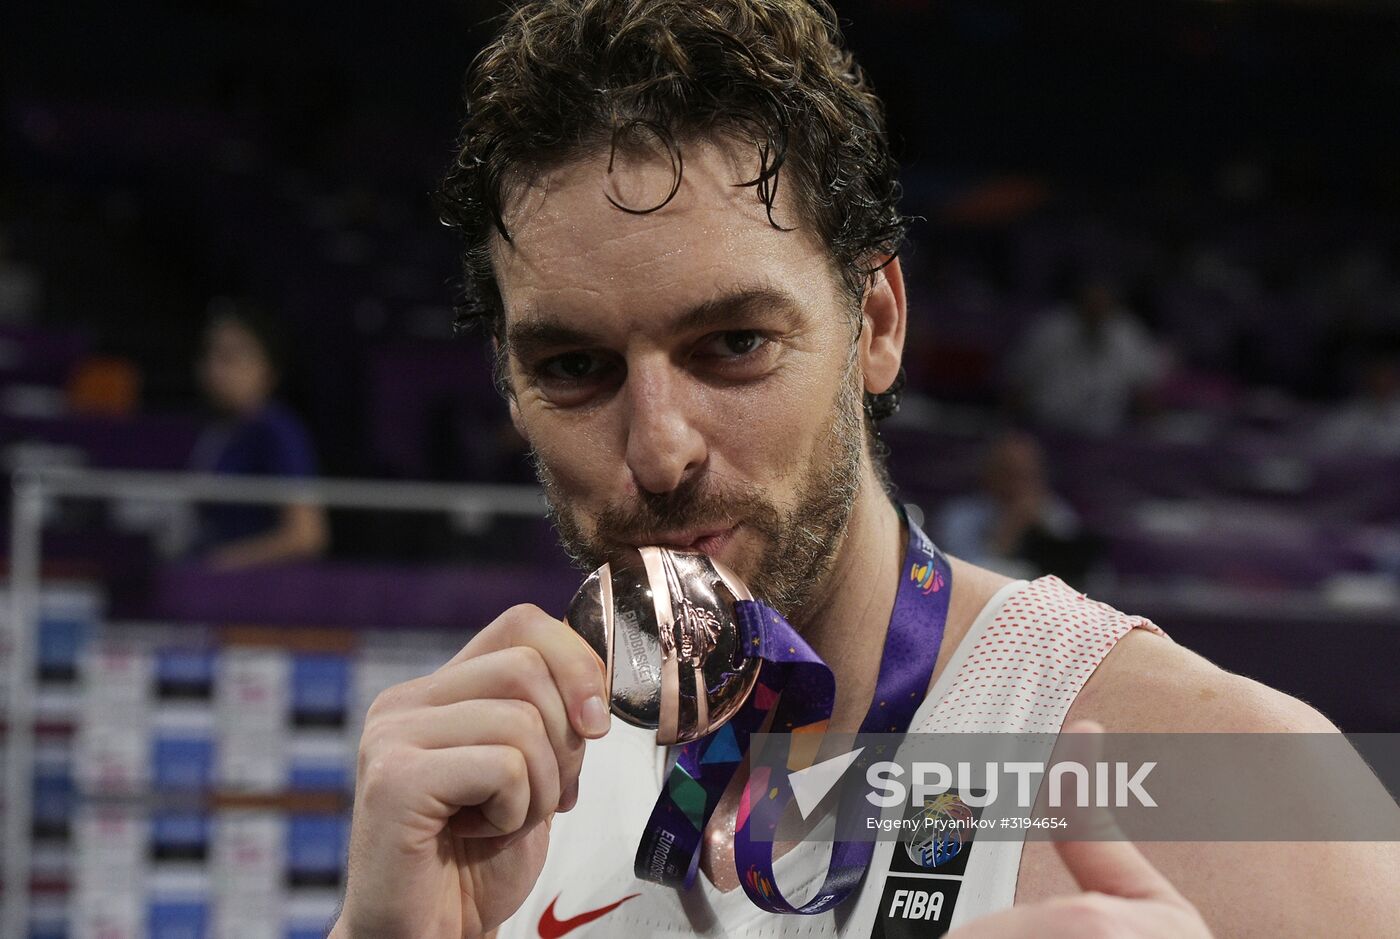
[
  {"x": 1124, "y": 895},
  {"x": 459, "y": 775}
]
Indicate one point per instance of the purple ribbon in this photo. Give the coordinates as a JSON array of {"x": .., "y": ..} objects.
[{"x": 801, "y": 686}]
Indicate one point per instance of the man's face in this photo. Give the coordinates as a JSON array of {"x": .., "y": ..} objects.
[{"x": 684, "y": 377}]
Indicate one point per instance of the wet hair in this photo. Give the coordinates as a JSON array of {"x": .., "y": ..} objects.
[{"x": 568, "y": 78}]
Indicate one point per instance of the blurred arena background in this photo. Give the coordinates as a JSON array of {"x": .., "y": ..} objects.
[{"x": 1155, "y": 348}]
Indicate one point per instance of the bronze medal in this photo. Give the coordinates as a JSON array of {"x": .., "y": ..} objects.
[{"x": 663, "y": 623}]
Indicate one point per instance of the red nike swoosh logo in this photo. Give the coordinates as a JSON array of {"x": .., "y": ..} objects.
[{"x": 551, "y": 928}]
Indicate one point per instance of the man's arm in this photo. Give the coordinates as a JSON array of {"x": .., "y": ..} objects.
[{"x": 1149, "y": 684}]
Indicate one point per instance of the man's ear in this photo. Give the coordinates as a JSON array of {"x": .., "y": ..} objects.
[{"x": 882, "y": 333}]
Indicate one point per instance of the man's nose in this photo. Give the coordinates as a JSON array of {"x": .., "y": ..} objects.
[{"x": 664, "y": 447}]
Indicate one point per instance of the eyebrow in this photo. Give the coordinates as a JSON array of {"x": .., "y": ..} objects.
[{"x": 546, "y": 331}]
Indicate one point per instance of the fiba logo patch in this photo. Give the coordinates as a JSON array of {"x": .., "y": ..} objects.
[
  {"x": 937, "y": 837},
  {"x": 927, "y": 867}
]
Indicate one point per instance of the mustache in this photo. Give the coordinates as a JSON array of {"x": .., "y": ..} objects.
[{"x": 654, "y": 514}]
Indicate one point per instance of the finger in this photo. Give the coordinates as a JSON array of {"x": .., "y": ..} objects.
[
  {"x": 1103, "y": 860},
  {"x": 1022, "y": 920},
  {"x": 569, "y": 798},
  {"x": 492, "y": 778},
  {"x": 508, "y": 721},
  {"x": 471, "y": 823},
  {"x": 575, "y": 668},
  {"x": 1116, "y": 868},
  {"x": 518, "y": 672}
]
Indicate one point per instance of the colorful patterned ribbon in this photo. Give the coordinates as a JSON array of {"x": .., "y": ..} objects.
[{"x": 803, "y": 689}]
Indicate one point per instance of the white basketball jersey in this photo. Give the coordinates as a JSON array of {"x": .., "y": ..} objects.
[{"x": 1017, "y": 670}]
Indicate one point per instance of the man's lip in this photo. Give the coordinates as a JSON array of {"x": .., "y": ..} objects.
[{"x": 707, "y": 541}]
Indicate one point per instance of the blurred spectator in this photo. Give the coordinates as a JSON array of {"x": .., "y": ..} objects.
[
  {"x": 258, "y": 436},
  {"x": 1016, "y": 524},
  {"x": 1370, "y": 421},
  {"x": 1086, "y": 366}
]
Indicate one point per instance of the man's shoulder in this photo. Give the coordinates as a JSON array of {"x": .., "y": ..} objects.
[{"x": 1150, "y": 684}]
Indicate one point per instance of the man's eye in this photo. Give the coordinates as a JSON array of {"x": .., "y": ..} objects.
[
  {"x": 734, "y": 343},
  {"x": 571, "y": 366}
]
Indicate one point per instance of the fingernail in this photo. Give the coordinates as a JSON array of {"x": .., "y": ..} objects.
[{"x": 595, "y": 717}]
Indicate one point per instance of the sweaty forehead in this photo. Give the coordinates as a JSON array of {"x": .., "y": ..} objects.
[{"x": 570, "y": 245}]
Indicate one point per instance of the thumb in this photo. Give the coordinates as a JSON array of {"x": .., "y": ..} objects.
[
  {"x": 1116, "y": 868},
  {"x": 1108, "y": 863}
]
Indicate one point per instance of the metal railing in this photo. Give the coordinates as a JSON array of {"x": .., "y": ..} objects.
[{"x": 32, "y": 488}]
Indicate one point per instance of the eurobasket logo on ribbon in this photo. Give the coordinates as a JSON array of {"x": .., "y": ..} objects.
[{"x": 926, "y": 577}]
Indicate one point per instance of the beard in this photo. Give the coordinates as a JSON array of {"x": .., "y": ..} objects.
[{"x": 798, "y": 545}]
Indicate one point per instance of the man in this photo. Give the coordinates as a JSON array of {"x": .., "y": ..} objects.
[
  {"x": 1015, "y": 523},
  {"x": 1086, "y": 366},
  {"x": 686, "y": 344}
]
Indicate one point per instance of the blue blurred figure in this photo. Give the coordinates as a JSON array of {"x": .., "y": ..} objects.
[{"x": 256, "y": 436}]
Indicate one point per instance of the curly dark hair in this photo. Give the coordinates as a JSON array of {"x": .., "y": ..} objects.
[{"x": 566, "y": 78}]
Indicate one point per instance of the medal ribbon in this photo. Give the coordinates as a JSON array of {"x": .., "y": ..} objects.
[{"x": 801, "y": 686}]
